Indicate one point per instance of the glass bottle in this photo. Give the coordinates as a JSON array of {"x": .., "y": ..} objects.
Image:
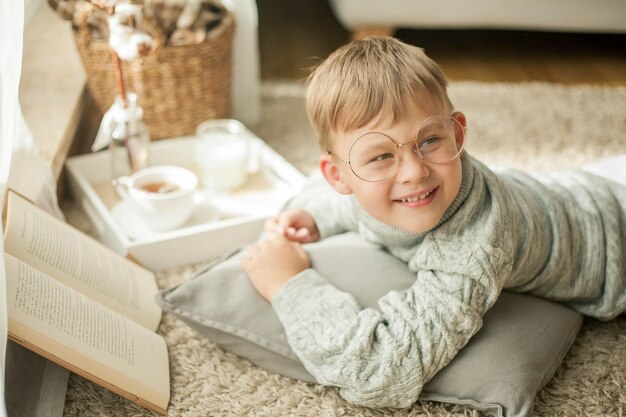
[{"x": 130, "y": 137}]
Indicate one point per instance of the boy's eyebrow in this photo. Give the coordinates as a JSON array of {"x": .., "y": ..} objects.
[
  {"x": 430, "y": 127},
  {"x": 379, "y": 145}
]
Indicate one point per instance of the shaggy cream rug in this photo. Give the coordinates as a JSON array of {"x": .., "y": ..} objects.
[{"x": 532, "y": 126}]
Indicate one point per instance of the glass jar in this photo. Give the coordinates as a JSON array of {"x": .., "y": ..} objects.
[
  {"x": 130, "y": 137},
  {"x": 222, "y": 152}
]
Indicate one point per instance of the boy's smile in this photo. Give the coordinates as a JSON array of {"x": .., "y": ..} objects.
[
  {"x": 418, "y": 199},
  {"x": 419, "y": 192}
]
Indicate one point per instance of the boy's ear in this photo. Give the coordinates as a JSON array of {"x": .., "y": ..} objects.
[
  {"x": 331, "y": 173},
  {"x": 460, "y": 117}
]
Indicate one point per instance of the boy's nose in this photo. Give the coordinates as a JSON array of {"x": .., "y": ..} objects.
[{"x": 412, "y": 168}]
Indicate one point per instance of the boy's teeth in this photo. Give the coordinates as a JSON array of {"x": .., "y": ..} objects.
[{"x": 412, "y": 199}]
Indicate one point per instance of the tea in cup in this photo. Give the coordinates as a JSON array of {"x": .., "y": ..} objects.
[
  {"x": 162, "y": 195},
  {"x": 223, "y": 153}
]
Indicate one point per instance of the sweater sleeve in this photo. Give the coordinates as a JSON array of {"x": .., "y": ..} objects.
[
  {"x": 382, "y": 357},
  {"x": 333, "y": 213}
]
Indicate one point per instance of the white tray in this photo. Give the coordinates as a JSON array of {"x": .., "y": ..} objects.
[{"x": 220, "y": 223}]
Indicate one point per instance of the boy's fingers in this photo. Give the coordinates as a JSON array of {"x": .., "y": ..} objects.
[
  {"x": 284, "y": 224},
  {"x": 289, "y": 218},
  {"x": 292, "y": 224},
  {"x": 271, "y": 224},
  {"x": 302, "y": 233},
  {"x": 275, "y": 237},
  {"x": 298, "y": 235}
]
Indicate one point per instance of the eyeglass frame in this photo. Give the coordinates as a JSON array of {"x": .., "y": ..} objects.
[{"x": 399, "y": 146}]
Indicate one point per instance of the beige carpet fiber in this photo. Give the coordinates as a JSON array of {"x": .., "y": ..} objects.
[{"x": 531, "y": 126}]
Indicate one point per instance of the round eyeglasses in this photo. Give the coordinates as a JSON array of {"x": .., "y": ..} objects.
[{"x": 375, "y": 156}]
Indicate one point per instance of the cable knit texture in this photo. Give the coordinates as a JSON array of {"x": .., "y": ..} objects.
[{"x": 560, "y": 236}]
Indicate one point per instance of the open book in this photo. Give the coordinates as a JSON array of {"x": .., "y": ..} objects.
[{"x": 79, "y": 304}]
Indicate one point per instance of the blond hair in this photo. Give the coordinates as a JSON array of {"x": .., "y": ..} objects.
[{"x": 367, "y": 78}]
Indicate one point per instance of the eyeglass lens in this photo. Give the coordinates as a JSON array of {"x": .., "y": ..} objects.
[{"x": 375, "y": 156}]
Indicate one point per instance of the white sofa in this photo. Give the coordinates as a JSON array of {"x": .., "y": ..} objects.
[{"x": 383, "y": 17}]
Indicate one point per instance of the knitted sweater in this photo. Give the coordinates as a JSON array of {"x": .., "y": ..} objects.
[{"x": 561, "y": 236}]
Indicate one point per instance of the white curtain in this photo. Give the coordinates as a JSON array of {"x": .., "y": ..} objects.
[
  {"x": 22, "y": 169},
  {"x": 11, "y": 40},
  {"x": 246, "y": 77}
]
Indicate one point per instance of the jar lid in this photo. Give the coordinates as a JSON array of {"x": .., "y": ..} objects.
[{"x": 221, "y": 125}]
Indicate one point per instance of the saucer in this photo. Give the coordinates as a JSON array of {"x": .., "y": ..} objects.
[{"x": 132, "y": 223}]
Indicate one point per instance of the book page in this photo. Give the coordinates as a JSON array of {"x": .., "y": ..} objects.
[
  {"x": 86, "y": 337},
  {"x": 80, "y": 262}
]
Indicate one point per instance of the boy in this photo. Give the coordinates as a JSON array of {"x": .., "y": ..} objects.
[{"x": 393, "y": 151}]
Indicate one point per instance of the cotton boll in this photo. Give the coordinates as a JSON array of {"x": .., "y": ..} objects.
[
  {"x": 127, "y": 42},
  {"x": 142, "y": 42},
  {"x": 119, "y": 39},
  {"x": 123, "y": 14}
]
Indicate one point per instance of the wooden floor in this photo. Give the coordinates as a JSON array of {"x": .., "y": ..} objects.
[{"x": 294, "y": 35}]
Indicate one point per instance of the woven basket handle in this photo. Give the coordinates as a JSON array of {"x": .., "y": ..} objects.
[
  {"x": 81, "y": 17},
  {"x": 81, "y": 14}
]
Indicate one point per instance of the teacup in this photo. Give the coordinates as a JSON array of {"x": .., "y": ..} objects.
[
  {"x": 223, "y": 153},
  {"x": 162, "y": 195}
]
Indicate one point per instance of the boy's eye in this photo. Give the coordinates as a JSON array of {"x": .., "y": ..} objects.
[
  {"x": 429, "y": 142},
  {"x": 382, "y": 157}
]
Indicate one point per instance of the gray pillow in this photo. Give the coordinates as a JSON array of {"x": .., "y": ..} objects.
[{"x": 521, "y": 344}]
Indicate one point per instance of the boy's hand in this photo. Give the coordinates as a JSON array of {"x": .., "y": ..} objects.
[
  {"x": 272, "y": 261},
  {"x": 296, "y": 225}
]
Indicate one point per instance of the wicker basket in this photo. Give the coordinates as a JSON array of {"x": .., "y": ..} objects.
[{"x": 177, "y": 86}]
